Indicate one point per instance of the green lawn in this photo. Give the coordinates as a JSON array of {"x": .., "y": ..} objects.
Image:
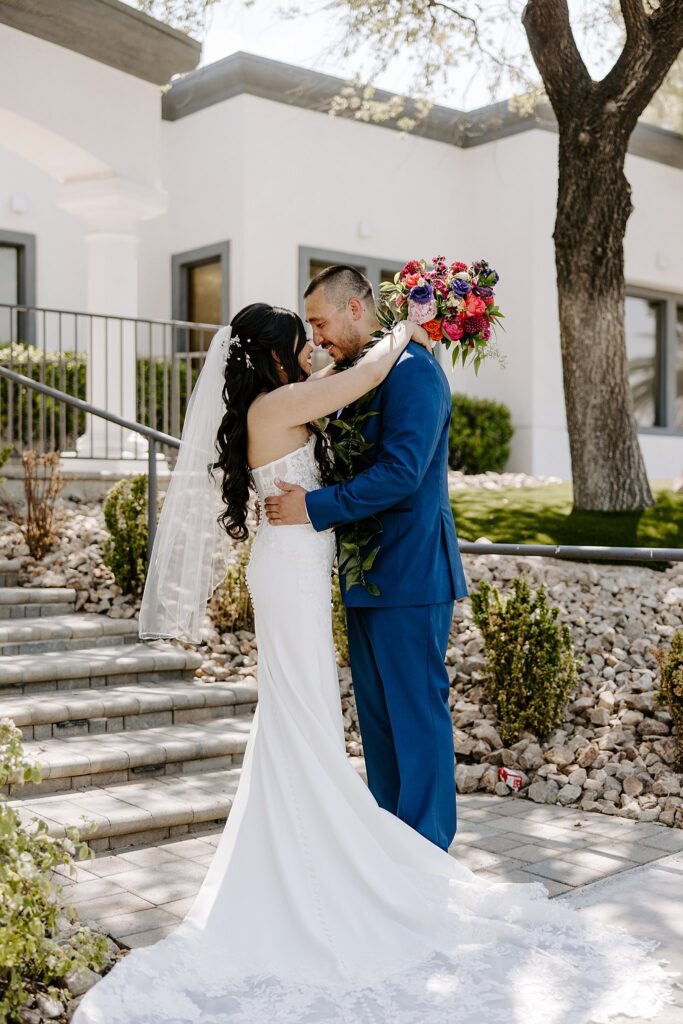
[{"x": 543, "y": 515}]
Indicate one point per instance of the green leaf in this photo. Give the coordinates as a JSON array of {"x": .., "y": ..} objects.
[
  {"x": 373, "y": 589},
  {"x": 369, "y": 560}
]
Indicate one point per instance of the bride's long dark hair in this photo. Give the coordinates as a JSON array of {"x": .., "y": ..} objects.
[{"x": 258, "y": 331}]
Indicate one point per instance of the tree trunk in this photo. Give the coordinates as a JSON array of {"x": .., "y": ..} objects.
[{"x": 594, "y": 204}]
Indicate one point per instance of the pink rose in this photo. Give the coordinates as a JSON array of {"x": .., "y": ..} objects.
[
  {"x": 421, "y": 312},
  {"x": 474, "y": 305},
  {"x": 453, "y": 329}
]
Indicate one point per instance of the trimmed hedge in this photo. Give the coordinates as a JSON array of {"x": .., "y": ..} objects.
[
  {"x": 67, "y": 371},
  {"x": 480, "y": 435}
]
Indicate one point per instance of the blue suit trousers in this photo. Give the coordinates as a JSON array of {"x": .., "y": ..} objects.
[{"x": 402, "y": 687}]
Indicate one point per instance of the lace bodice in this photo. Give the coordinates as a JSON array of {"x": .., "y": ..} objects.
[{"x": 297, "y": 467}]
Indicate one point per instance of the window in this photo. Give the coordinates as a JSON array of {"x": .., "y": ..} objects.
[
  {"x": 654, "y": 346},
  {"x": 312, "y": 261},
  {"x": 201, "y": 292},
  {"x": 643, "y": 320},
  {"x": 678, "y": 405},
  {"x": 17, "y": 284}
]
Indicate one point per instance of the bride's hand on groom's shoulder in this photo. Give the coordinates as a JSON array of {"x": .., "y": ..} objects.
[{"x": 419, "y": 335}]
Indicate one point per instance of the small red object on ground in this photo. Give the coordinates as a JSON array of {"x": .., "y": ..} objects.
[{"x": 511, "y": 777}]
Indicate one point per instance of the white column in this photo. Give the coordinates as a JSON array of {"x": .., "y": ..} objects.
[{"x": 111, "y": 208}]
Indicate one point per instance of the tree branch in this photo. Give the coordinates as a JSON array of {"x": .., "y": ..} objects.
[
  {"x": 556, "y": 55},
  {"x": 473, "y": 25},
  {"x": 644, "y": 62},
  {"x": 634, "y": 15}
]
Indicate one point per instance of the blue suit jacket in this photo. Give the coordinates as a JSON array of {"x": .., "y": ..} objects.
[{"x": 406, "y": 487}]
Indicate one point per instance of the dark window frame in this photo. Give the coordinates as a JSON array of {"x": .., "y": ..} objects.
[
  {"x": 374, "y": 266},
  {"x": 181, "y": 262},
  {"x": 666, "y": 345},
  {"x": 25, "y": 244}
]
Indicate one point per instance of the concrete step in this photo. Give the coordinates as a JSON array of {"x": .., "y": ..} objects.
[
  {"x": 64, "y": 633},
  {"x": 138, "y": 813},
  {"x": 97, "y": 710},
  {"x": 77, "y": 762},
  {"x": 9, "y": 571},
  {"x": 30, "y": 602},
  {"x": 95, "y": 667}
]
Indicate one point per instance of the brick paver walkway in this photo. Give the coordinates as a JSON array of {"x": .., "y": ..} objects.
[{"x": 140, "y": 895}]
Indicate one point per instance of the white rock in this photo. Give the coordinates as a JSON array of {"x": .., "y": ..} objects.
[
  {"x": 544, "y": 792},
  {"x": 569, "y": 794}
]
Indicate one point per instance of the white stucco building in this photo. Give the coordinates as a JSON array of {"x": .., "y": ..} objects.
[{"x": 233, "y": 185}]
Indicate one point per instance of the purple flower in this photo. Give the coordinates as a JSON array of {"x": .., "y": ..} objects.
[
  {"x": 461, "y": 288},
  {"x": 422, "y": 293},
  {"x": 482, "y": 291}
]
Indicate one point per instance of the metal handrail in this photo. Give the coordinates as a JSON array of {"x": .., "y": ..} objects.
[
  {"x": 190, "y": 324},
  {"x": 153, "y": 436},
  {"x": 574, "y": 551}
]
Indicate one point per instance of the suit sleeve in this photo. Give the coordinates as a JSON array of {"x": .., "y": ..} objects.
[{"x": 414, "y": 412}]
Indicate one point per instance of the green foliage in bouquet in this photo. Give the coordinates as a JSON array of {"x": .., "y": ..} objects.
[
  {"x": 34, "y": 955},
  {"x": 530, "y": 664},
  {"x": 480, "y": 435},
  {"x": 351, "y": 457},
  {"x": 125, "y": 516},
  {"x": 670, "y": 691},
  {"x": 230, "y": 607}
]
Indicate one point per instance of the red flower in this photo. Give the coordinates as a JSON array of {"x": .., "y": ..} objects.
[
  {"x": 457, "y": 268},
  {"x": 475, "y": 324},
  {"x": 433, "y": 329},
  {"x": 411, "y": 280},
  {"x": 412, "y": 267}
]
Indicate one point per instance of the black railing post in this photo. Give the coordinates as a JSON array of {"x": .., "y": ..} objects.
[{"x": 151, "y": 497}]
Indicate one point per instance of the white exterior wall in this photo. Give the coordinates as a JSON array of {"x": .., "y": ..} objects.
[
  {"x": 60, "y": 247},
  {"x": 270, "y": 177}
]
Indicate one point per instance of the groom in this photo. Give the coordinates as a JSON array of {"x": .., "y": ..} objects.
[{"x": 397, "y": 638}]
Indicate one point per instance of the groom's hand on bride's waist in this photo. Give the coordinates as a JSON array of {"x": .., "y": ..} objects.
[{"x": 289, "y": 508}]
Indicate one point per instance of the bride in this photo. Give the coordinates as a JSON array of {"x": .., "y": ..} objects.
[{"x": 319, "y": 907}]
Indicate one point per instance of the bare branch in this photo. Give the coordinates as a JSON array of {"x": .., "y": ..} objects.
[
  {"x": 635, "y": 16},
  {"x": 556, "y": 55},
  {"x": 643, "y": 64}
]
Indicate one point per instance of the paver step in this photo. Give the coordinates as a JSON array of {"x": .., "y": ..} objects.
[
  {"x": 95, "y": 666},
  {"x": 9, "y": 571},
  {"x": 76, "y": 762},
  {"x": 97, "y": 710},
  {"x": 63, "y": 632},
  {"x": 30, "y": 602},
  {"x": 139, "y": 812}
]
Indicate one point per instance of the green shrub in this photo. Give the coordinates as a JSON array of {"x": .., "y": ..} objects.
[
  {"x": 480, "y": 435},
  {"x": 159, "y": 384},
  {"x": 125, "y": 516},
  {"x": 530, "y": 664},
  {"x": 670, "y": 691},
  {"x": 35, "y": 955},
  {"x": 21, "y": 418},
  {"x": 156, "y": 381},
  {"x": 230, "y": 607},
  {"x": 4, "y": 456}
]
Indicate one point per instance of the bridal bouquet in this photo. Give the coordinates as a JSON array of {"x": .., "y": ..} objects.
[{"x": 454, "y": 302}]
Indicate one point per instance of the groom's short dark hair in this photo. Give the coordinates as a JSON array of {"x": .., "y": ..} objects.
[{"x": 341, "y": 283}]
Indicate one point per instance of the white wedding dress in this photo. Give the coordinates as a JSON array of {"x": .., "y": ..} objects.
[{"x": 319, "y": 907}]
